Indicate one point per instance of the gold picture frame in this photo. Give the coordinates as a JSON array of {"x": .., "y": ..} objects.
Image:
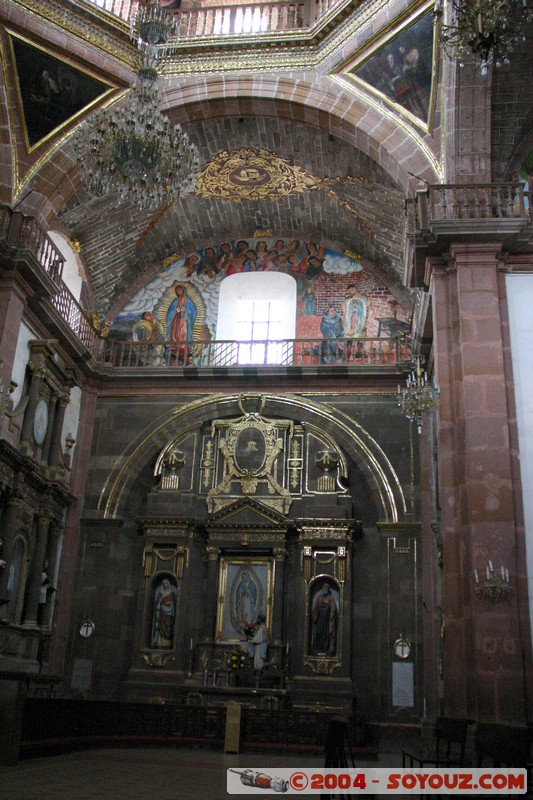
[
  {"x": 245, "y": 590},
  {"x": 408, "y": 45}
]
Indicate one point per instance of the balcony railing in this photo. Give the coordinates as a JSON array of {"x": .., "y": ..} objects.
[
  {"x": 366, "y": 352},
  {"x": 481, "y": 201},
  {"x": 24, "y": 234},
  {"x": 268, "y": 17}
]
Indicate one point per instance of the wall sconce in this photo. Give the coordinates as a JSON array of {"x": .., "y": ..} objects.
[{"x": 493, "y": 586}]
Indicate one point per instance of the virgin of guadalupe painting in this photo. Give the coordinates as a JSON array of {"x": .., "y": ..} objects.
[
  {"x": 245, "y": 594},
  {"x": 323, "y": 618}
]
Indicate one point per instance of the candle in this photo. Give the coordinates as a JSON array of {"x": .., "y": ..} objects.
[
  {"x": 487, "y": 571},
  {"x": 503, "y": 573},
  {"x": 490, "y": 566},
  {"x": 191, "y": 646},
  {"x": 507, "y": 575},
  {"x": 287, "y": 649},
  {"x": 476, "y": 576}
]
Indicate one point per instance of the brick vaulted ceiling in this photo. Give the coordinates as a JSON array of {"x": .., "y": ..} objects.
[
  {"x": 301, "y": 116},
  {"x": 121, "y": 246},
  {"x": 283, "y": 100}
]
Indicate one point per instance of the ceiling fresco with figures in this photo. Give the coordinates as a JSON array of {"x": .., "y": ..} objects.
[
  {"x": 301, "y": 184},
  {"x": 336, "y": 296}
]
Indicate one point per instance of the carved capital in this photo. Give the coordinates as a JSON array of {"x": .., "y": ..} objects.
[
  {"x": 212, "y": 553},
  {"x": 280, "y": 553}
]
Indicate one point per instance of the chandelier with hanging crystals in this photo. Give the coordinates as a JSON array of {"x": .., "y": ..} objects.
[
  {"x": 419, "y": 396},
  {"x": 151, "y": 28},
  {"x": 134, "y": 152},
  {"x": 491, "y": 30}
]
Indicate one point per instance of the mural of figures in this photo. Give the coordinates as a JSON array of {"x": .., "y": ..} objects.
[
  {"x": 150, "y": 332},
  {"x": 324, "y": 619},
  {"x": 181, "y": 316},
  {"x": 331, "y": 328},
  {"x": 164, "y": 614},
  {"x": 401, "y": 69},
  {"x": 183, "y": 298},
  {"x": 354, "y": 312}
]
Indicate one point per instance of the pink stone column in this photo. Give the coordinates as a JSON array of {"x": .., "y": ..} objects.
[{"x": 483, "y": 667}]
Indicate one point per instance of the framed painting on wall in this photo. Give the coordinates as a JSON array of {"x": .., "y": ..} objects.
[
  {"x": 51, "y": 90},
  {"x": 245, "y": 590},
  {"x": 399, "y": 66}
]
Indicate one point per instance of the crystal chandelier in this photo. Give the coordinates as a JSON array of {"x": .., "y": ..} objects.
[
  {"x": 489, "y": 29},
  {"x": 419, "y": 395},
  {"x": 151, "y": 28},
  {"x": 134, "y": 151}
]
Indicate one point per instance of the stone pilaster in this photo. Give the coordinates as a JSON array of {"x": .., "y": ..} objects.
[
  {"x": 38, "y": 372},
  {"x": 59, "y": 418},
  {"x": 35, "y": 579},
  {"x": 483, "y": 675}
]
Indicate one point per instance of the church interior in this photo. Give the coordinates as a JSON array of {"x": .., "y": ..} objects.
[{"x": 266, "y": 419}]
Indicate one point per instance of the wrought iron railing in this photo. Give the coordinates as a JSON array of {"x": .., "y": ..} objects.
[
  {"x": 24, "y": 234},
  {"x": 365, "y": 352},
  {"x": 266, "y": 17}
]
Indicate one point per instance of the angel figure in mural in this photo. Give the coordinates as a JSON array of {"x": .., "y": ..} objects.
[
  {"x": 150, "y": 332},
  {"x": 164, "y": 614},
  {"x": 324, "y": 617},
  {"x": 181, "y": 316}
]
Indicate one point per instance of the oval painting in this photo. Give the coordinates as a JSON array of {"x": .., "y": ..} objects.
[{"x": 250, "y": 450}]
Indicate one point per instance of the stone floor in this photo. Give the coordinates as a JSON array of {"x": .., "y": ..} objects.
[{"x": 144, "y": 774}]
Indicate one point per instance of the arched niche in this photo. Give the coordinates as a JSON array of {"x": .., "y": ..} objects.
[
  {"x": 162, "y": 612},
  {"x": 324, "y": 612},
  {"x": 144, "y": 449}
]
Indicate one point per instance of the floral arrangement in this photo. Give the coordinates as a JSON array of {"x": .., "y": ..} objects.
[{"x": 236, "y": 658}]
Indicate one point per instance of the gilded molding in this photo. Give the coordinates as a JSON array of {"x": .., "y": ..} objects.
[
  {"x": 377, "y": 467},
  {"x": 236, "y": 537},
  {"x": 107, "y": 33}
]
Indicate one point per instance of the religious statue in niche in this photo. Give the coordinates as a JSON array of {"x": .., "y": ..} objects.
[
  {"x": 324, "y": 618},
  {"x": 163, "y": 613}
]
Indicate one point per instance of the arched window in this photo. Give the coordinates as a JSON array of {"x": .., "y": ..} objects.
[{"x": 257, "y": 315}]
